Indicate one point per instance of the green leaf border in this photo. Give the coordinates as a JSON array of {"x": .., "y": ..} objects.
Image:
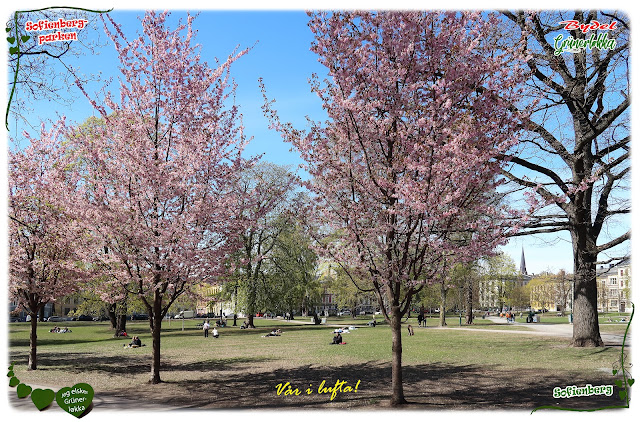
[{"x": 17, "y": 383}]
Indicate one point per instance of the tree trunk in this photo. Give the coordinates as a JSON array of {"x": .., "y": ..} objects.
[
  {"x": 397, "y": 397},
  {"x": 251, "y": 305},
  {"x": 118, "y": 322},
  {"x": 443, "y": 303},
  {"x": 155, "y": 321},
  {"x": 121, "y": 323},
  {"x": 469, "y": 304},
  {"x": 113, "y": 318},
  {"x": 586, "y": 330},
  {"x": 33, "y": 341}
]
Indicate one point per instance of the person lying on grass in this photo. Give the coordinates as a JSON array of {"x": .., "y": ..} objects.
[{"x": 274, "y": 333}]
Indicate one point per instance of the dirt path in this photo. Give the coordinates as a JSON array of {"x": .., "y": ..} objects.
[{"x": 555, "y": 330}]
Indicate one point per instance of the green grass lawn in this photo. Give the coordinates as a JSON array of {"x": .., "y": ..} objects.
[{"x": 243, "y": 359}]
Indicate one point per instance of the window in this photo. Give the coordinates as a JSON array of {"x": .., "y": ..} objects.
[
  {"x": 621, "y": 273},
  {"x": 613, "y": 292},
  {"x": 613, "y": 280},
  {"x": 613, "y": 303}
]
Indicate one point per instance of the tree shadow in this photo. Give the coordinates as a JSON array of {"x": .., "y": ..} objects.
[
  {"x": 128, "y": 363},
  {"x": 66, "y": 341},
  {"x": 426, "y": 386}
]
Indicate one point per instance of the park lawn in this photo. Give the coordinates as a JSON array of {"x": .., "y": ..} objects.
[
  {"x": 614, "y": 328},
  {"x": 242, "y": 360},
  {"x": 493, "y": 326}
]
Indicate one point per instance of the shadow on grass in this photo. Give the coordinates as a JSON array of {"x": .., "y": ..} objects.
[
  {"x": 129, "y": 364},
  {"x": 426, "y": 386},
  {"x": 250, "y": 383},
  {"x": 59, "y": 341}
]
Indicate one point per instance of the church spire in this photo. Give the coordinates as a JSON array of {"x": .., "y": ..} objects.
[{"x": 523, "y": 265}]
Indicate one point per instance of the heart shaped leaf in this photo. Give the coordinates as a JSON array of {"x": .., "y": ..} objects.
[
  {"x": 13, "y": 50},
  {"x": 11, "y": 40},
  {"x": 23, "y": 390},
  {"x": 75, "y": 400},
  {"x": 42, "y": 398},
  {"x": 630, "y": 381},
  {"x": 11, "y": 374},
  {"x": 13, "y": 382}
]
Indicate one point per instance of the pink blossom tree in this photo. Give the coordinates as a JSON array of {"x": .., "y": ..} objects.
[
  {"x": 159, "y": 175},
  {"x": 47, "y": 243},
  {"x": 404, "y": 166}
]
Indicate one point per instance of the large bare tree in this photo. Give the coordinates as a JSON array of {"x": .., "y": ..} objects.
[{"x": 574, "y": 165}]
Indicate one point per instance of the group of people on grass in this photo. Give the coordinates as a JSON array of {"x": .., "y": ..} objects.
[
  {"x": 510, "y": 316},
  {"x": 337, "y": 338},
  {"x": 60, "y": 330},
  {"x": 206, "y": 326}
]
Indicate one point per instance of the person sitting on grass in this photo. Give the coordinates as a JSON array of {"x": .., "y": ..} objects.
[
  {"x": 135, "y": 342},
  {"x": 337, "y": 339},
  {"x": 214, "y": 333}
]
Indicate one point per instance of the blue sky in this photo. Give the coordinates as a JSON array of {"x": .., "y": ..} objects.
[{"x": 280, "y": 54}]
